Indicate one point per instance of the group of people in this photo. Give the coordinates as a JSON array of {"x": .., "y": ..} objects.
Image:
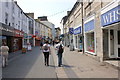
[
  {"x": 47, "y": 51},
  {"x": 44, "y": 47}
]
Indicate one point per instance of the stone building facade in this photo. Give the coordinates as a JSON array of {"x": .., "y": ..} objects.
[{"x": 100, "y": 26}]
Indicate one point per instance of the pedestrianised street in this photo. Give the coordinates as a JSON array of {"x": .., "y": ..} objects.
[{"x": 31, "y": 65}]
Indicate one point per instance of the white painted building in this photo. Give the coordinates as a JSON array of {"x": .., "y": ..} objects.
[{"x": 14, "y": 24}]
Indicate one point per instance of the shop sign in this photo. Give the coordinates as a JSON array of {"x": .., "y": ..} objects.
[
  {"x": 89, "y": 26},
  {"x": 36, "y": 32},
  {"x": 71, "y": 31},
  {"x": 77, "y": 30},
  {"x": 25, "y": 36},
  {"x": 2, "y": 37},
  {"x": 18, "y": 33},
  {"x": 5, "y": 29},
  {"x": 38, "y": 38},
  {"x": 111, "y": 16}
]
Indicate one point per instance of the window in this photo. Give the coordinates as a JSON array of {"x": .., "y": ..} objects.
[
  {"x": 19, "y": 25},
  {"x": 6, "y": 3},
  {"x": 18, "y": 13},
  {"x": 88, "y": 10},
  {"x": 13, "y": 8},
  {"x": 6, "y": 18},
  {"x": 13, "y": 19}
]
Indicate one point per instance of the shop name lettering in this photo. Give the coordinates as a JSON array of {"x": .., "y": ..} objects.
[
  {"x": 4, "y": 29},
  {"x": 18, "y": 33},
  {"x": 112, "y": 16},
  {"x": 76, "y": 31}
]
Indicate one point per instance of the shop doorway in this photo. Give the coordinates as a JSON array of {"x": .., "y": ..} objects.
[
  {"x": 114, "y": 41},
  {"x": 118, "y": 35}
]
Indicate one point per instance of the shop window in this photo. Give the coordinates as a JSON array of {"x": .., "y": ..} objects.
[{"x": 90, "y": 42}]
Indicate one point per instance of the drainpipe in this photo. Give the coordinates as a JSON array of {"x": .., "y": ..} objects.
[{"x": 82, "y": 25}]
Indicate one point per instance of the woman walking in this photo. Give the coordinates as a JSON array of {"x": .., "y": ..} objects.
[{"x": 46, "y": 52}]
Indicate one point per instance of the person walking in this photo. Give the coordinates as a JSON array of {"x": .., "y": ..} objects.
[
  {"x": 60, "y": 49},
  {"x": 4, "y": 52},
  {"x": 46, "y": 51},
  {"x": 41, "y": 44},
  {"x": 53, "y": 42}
]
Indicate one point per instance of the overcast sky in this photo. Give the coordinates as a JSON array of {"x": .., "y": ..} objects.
[{"x": 54, "y": 9}]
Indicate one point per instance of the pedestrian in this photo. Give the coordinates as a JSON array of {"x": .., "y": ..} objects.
[
  {"x": 53, "y": 42},
  {"x": 60, "y": 49},
  {"x": 41, "y": 44},
  {"x": 46, "y": 52},
  {"x": 4, "y": 52},
  {"x": 29, "y": 47}
]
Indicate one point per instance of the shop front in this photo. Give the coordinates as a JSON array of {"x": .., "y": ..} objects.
[
  {"x": 110, "y": 22},
  {"x": 25, "y": 39},
  {"x": 90, "y": 35},
  {"x": 71, "y": 32},
  {"x": 37, "y": 41},
  {"x": 31, "y": 39},
  {"x": 78, "y": 38},
  {"x": 7, "y": 35},
  {"x": 17, "y": 40}
]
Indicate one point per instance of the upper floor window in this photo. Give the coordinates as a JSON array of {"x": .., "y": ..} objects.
[
  {"x": 88, "y": 9},
  {"x": 13, "y": 8},
  {"x": 6, "y": 18},
  {"x": 19, "y": 12},
  {"x": 19, "y": 25},
  {"x": 6, "y": 3},
  {"x": 13, "y": 19}
]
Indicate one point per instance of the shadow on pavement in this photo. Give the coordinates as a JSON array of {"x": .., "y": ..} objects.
[{"x": 67, "y": 66}]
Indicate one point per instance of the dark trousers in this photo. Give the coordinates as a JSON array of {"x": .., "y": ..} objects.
[
  {"x": 46, "y": 58},
  {"x": 59, "y": 59}
]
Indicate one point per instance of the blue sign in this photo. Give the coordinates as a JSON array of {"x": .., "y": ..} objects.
[
  {"x": 77, "y": 30},
  {"x": 111, "y": 16},
  {"x": 2, "y": 37},
  {"x": 71, "y": 31},
  {"x": 36, "y": 32},
  {"x": 89, "y": 26}
]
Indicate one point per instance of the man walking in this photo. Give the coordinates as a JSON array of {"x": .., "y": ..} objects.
[
  {"x": 60, "y": 49},
  {"x": 46, "y": 52}
]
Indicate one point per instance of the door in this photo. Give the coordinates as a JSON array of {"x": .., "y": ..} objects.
[
  {"x": 112, "y": 43},
  {"x": 118, "y": 35}
]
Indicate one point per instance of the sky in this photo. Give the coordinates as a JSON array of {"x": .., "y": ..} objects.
[{"x": 54, "y": 9}]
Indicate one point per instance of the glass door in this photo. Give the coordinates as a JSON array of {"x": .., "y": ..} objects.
[{"x": 112, "y": 40}]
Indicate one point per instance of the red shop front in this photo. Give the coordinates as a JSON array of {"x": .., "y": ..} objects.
[
  {"x": 37, "y": 41},
  {"x": 17, "y": 41}
]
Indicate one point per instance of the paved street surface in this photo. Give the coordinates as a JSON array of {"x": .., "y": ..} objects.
[
  {"x": 75, "y": 65},
  {"x": 29, "y": 65}
]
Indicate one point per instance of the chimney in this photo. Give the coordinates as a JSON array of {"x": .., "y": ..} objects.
[
  {"x": 68, "y": 12},
  {"x": 43, "y": 18}
]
